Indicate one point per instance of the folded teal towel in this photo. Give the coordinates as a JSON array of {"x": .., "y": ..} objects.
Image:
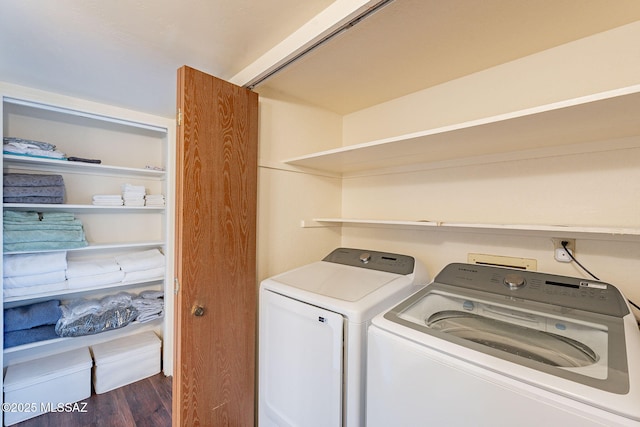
[
  {"x": 32, "y": 216},
  {"x": 42, "y": 225},
  {"x": 28, "y": 216},
  {"x": 57, "y": 216},
  {"x": 48, "y": 235},
  {"x": 42, "y": 246}
]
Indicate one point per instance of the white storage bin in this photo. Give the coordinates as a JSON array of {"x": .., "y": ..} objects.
[
  {"x": 41, "y": 385},
  {"x": 125, "y": 360}
]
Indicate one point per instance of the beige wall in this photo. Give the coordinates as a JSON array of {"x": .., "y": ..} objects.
[
  {"x": 286, "y": 197},
  {"x": 553, "y": 187},
  {"x": 595, "y": 186},
  {"x": 594, "y": 64}
]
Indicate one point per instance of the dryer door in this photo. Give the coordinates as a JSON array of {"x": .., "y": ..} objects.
[{"x": 300, "y": 356}]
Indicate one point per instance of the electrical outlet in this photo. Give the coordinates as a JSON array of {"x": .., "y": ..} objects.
[{"x": 560, "y": 254}]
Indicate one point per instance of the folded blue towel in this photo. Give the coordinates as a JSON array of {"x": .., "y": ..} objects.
[
  {"x": 38, "y": 200},
  {"x": 31, "y": 180},
  {"x": 43, "y": 191},
  {"x": 32, "y": 315},
  {"x": 26, "y": 336}
]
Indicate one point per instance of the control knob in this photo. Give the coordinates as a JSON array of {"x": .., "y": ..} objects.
[{"x": 514, "y": 281}]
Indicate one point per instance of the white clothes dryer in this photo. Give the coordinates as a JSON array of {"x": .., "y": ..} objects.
[
  {"x": 490, "y": 346},
  {"x": 312, "y": 335}
]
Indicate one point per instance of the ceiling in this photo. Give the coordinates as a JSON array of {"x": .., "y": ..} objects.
[{"x": 126, "y": 52}]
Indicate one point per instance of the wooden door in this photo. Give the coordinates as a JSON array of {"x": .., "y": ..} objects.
[{"x": 216, "y": 197}]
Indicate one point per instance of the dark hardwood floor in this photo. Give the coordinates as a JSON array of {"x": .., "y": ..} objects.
[{"x": 143, "y": 403}]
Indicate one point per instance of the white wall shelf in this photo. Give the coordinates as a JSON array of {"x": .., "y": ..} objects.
[
  {"x": 74, "y": 342},
  {"x": 73, "y": 293},
  {"x": 100, "y": 247},
  {"x": 598, "y": 117},
  {"x": 81, "y": 208},
  {"x": 53, "y": 165},
  {"x": 552, "y": 230}
]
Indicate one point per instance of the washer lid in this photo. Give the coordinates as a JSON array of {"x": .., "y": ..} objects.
[{"x": 336, "y": 280}]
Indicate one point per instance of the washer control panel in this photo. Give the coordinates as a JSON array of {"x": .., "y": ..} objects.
[
  {"x": 569, "y": 292},
  {"x": 373, "y": 260}
]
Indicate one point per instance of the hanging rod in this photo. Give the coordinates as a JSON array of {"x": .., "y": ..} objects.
[{"x": 261, "y": 78}]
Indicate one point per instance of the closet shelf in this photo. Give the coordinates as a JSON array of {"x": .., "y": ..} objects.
[
  {"x": 61, "y": 166},
  {"x": 599, "y": 117},
  {"x": 555, "y": 230},
  {"x": 87, "y": 340},
  {"x": 81, "y": 208},
  {"x": 104, "y": 247},
  {"x": 72, "y": 293}
]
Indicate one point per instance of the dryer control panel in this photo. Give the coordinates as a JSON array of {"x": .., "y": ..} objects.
[
  {"x": 372, "y": 260},
  {"x": 568, "y": 292}
]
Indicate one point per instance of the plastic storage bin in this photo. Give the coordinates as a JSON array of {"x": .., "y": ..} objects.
[
  {"x": 125, "y": 360},
  {"x": 46, "y": 384}
]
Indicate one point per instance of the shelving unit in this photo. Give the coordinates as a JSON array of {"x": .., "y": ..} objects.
[
  {"x": 132, "y": 151},
  {"x": 593, "y": 123}
]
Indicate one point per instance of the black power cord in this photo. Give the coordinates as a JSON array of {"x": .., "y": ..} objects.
[{"x": 564, "y": 244}]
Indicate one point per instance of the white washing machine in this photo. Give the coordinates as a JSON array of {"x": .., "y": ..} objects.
[
  {"x": 312, "y": 335},
  {"x": 490, "y": 346}
]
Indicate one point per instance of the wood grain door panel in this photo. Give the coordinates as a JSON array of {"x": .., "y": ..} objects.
[{"x": 216, "y": 197}]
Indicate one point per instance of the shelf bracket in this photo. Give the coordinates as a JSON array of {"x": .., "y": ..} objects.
[{"x": 311, "y": 223}]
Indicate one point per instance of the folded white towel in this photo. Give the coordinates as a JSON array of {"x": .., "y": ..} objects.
[
  {"x": 140, "y": 275},
  {"x": 144, "y": 260},
  {"x": 97, "y": 197},
  {"x": 148, "y": 317},
  {"x": 152, "y": 295},
  {"x": 34, "y": 290},
  {"x": 154, "y": 200},
  {"x": 33, "y": 280},
  {"x": 91, "y": 268},
  {"x": 128, "y": 195},
  {"x": 29, "y": 264},
  {"x": 108, "y": 202},
  {"x": 87, "y": 282},
  {"x": 133, "y": 188},
  {"x": 132, "y": 202}
]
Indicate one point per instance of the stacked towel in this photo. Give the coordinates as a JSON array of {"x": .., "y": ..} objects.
[
  {"x": 26, "y": 147},
  {"x": 31, "y": 323},
  {"x": 145, "y": 265},
  {"x": 150, "y": 305},
  {"x": 156, "y": 200},
  {"x": 33, "y": 231},
  {"x": 107, "y": 200},
  {"x": 30, "y": 274},
  {"x": 91, "y": 274},
  {"x": 33, "y": 188},
  {"x": 133, "y": 195}
]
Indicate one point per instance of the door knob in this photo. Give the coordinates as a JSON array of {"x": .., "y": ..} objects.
[{"x": 197, "y": 310}]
